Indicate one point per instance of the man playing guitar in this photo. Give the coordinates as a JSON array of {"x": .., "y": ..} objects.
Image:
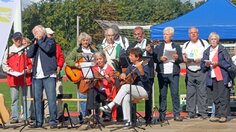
[{"x": 137, "y": 85}]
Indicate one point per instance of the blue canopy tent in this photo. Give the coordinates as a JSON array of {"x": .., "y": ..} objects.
[{"x": 213, "y": 16}]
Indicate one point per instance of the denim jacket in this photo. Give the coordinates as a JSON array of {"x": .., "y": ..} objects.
[
  {"x": 46, "y": 48},
  {"x": 224, "y": 62}
]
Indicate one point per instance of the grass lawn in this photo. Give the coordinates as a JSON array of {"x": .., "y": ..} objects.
[{"x": 70, "y": 88}]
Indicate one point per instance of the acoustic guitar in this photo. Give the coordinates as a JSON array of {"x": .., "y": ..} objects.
[
  {"x": 74, "y": 74},
  {"x": 131, "y": 77},
  {"x": 85, "y": 85},
  {"x": 4, "y": 113}
]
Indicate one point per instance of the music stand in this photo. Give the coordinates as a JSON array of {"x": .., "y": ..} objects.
[
  {"x": 87, "y": 72},
  {"x": 65, "y": 107}
]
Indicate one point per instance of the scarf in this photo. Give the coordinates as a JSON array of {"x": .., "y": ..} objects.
[{"x": 217, "y": 68}]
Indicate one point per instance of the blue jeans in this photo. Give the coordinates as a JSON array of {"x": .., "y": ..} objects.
[
  {"x": 82, "y": 103},
  {"x": 49, "y": 84},
  {"x": 14, "y": 92}
]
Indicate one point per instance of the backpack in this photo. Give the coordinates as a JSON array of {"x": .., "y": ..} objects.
[
  {"x": 200, "y": 41},
  {"x": 232, "y": 71}
]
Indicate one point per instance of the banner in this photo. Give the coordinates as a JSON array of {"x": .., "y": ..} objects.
[{"x": 7, "y": 14}]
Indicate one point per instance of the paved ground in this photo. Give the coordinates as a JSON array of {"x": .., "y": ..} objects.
[{"x": 188, "y": 125}]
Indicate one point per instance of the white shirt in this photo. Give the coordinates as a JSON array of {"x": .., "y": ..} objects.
[
  {"x": 39, "y": 70},
  {"x": 212, "y": 54},
  {"x": 86, "y": 50},
  {"x": 102, "y": 70},
  {"x": 234, "y": 59},
  {"x": 168, "y": 66},
  {"x": 142, "y": 46},
  {"x": 194, "y": 51},
  {"x": 110, "y": 52},
  {"x": 120, "y": 41}
]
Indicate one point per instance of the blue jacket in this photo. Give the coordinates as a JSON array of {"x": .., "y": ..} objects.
[
  {"x": 46, "y": 48},
  {"x": 158, "y": 52},
  {"x": 224, "y": 62}
]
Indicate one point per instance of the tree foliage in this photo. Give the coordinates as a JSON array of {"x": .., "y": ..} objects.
[{"x": 61, "y": 16}]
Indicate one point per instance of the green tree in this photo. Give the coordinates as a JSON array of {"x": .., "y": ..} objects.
[{"x": 60, "y": 15}]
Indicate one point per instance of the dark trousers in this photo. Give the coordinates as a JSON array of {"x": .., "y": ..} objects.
[
  {"x": 221, "y": 98},
  {"x": 173, "y": 81},
  {"x": 148, "y": 103},
  {"x": 94, "y": 98}
]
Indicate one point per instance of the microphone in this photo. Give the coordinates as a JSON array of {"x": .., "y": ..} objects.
[{"x": 34, "y": 41}]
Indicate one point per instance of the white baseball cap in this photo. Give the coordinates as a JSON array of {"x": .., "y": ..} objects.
[{"x": 49, "y": 31}]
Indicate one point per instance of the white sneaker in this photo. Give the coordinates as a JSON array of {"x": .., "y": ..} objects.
[{"x": 105, "y": 109}]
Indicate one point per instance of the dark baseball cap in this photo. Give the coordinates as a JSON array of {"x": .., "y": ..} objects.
[{"x": 17, "y": 35}]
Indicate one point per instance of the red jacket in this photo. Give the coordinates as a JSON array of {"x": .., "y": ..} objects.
[
  {"x": 15, "y": 62},
  {"x": 59, "y": 56},
  {"x": 107, "y": 85}
]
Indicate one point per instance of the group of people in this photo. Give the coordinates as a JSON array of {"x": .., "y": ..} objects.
[{"x": 43, "y": 59}]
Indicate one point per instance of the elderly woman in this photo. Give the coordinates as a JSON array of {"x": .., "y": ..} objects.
[
  {"x": 84, "y": 47},
  {"x": 84, "y": 41},
  {"x": 102, "y": 85},
  {"x": 215, "y": 61}
]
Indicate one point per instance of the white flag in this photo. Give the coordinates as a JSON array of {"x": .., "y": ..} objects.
[{"x": 7, "y": 14}]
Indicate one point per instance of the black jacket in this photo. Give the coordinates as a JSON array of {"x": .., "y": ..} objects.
[{"x": 158, "y": 52}]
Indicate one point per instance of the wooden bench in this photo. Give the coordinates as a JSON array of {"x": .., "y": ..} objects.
[
  {"x": 65, "y": 100},
  {"x": 138, "y": 100},
  {"x": 233, "y": 97}
]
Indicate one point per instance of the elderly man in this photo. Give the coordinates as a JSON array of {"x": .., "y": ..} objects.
[
  {"x": 111, "y": 48},
  {"x": 43, "y": 51},
  {"x": 195, "y": 78},
  {"x": 15, "y": 60},
  {"x": 147, "y": 49},
  {"x": 168, "y": 56}
]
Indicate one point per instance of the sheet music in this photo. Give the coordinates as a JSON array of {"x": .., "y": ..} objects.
[
  {"x": 88, "y": 56},
  {"x": 169, "y": 54},
  {"x": 86, "y": 69},
  {"x": 15, "y": 73}
]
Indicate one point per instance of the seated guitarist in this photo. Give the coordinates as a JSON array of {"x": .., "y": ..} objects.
[
  {"x": 137, "y": 87},
  {"x": 73, "y": 58},
  {"x": 102, "y": 83}
]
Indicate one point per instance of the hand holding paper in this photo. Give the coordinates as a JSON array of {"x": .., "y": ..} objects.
[
  {"x": 169, "y": 53},
  {"x": 207, "y": 63},
  {"x": 15, "y": 73}
]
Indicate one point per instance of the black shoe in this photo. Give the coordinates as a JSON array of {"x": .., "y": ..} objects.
[
  {"x": 148, "y": 120},
  {"x": 53, "y": 126},
  {"x": 204, "y": 117},
  {"x": 35, "y": 126},
  {"x": 14, "y": 121},
  {"x": 107, "y": 119},
  {"x": 162, "y": 119},
  {"x": 178, "y": 118}
]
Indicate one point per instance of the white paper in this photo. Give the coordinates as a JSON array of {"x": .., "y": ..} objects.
[
  {"x": 87, "y": 69},
  {"x": 208, "y": 61},
  {"x": 169, "y": 53},
  {"x": 15, "y": 73},
  {"x": 88, "y": 56}
]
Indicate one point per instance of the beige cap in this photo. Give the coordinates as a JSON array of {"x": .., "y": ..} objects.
[{"x": 49, "y": 31}]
